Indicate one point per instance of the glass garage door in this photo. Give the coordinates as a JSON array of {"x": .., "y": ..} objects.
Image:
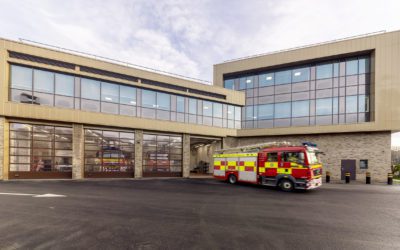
[
  {"x": 40, "y": 151},
  {"x": 109, "y": 154},
  {"x": 162, "y": 155}
]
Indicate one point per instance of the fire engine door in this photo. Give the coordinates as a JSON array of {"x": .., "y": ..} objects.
[{"x": 284, "y": 163}]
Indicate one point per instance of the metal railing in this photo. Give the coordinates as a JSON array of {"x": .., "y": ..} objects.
[
  {"x": 110, "y": 60},
  {"x": 305, "y": 46}
]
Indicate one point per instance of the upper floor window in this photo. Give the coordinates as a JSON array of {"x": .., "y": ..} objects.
[
  {"x": 44, "y": 87},
  {"x": 266, "y": 111},
  {"x": 324, "y": 106},
  {"x": 282, "y": 110},
  {"x": 109, "y": 92},
  {"x": 163, "y": 101},
  {"x": 229, "y": 84},
  {"x": 64, "y": 85},
  {"x": 148, "y": 99},
  {"x": 207, "y": 108},
  {"x": 217, "y": 110},
  {"x": 266, "y": 79},
  {"x": 192, "y": 106},
  {"x": 21, "y": 77},
  {"x": 363, "y": 65},
  {"x": 127, "y": 95},
  {"x": 301, "y": 74},
  {"x": 44, "y": 81},
  {"x": 90, "y": 89},
  {"x": 352, "y": 67},
  {"x": 300, "y": 108},
  {"x": 180, "y": 104},
  {"x": 283, "y": 77},
  {"x": 324, "y": 71}
]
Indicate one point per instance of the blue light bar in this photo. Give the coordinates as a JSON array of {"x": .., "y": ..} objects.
[{"x": 309, "y": 144}]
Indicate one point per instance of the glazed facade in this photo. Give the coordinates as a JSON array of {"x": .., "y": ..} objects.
[{"x": 320, "y": 93}]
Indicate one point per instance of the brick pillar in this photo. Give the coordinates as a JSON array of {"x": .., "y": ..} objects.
[
  {"x": 186, "y": 156},
  {"x": 78, "y": 146},
  {"x": 2, "y": 169},
  {"x": 138, "y": 153}
]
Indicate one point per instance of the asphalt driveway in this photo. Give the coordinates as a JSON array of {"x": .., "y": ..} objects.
[{"x": 195, "y": 214}]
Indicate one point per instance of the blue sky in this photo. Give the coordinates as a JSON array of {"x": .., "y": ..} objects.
[{"x": 188, "y": 37}]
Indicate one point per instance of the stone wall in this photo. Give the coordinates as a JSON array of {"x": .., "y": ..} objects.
[
  {"x": 138, "y": 153},
  {"x": 2, "y": 121},
  {"x": 374, "y": 147},
  {"x": 78, "y": 147},
  {"x": 186, "y": 155}
]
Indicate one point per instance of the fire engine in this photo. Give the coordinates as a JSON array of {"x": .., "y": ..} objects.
[{"x": 271, "y": 164}]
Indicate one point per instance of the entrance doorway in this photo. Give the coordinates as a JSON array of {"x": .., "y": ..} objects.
[
  {"x": 201, "y": 152},
  {"x": 348, "y": 166}
]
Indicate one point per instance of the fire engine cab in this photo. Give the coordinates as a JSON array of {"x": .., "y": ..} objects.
[{"x": 271, "y": 164}]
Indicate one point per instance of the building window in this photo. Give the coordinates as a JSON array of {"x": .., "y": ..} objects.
[
  {"x": 90, "y": 89},
  {"x": 109, "y": 151},
  {"x": 127, "y": 95},
  {"x": 363, "y": 103},
  {"x": 43, "y": 87},
  {"x": 301, "y": 75},
  {"x": 282, "y": 110},
  {"x": 283, "y": 77},
  {"x": 163, "y": 101},
  {"x": 192, "y": 106},
  {"x": 40, "y": 148},
  {"x": 21, "y": 77},
  {"x": 324, "y": 71},
  {"x": 266, "y": 112},
  {"x": 352, "y": 67},
  {"x": 162, "y": 154},
  {"x": 266, "y": 79},
  {"x": 217, "y": 110},
  {"x": 43, "y": 81},
  {"x": 180, "y": 104},
  {"x": 324, "y": 106},
  {"x": 64, "y": 85},
  {"x": 363, "y": 164},
  {"x": 351, "y": 104},
  {"x": 109, "y": 92},
  {"x": 363, "y": 65},
  {"x": 148, "y": 99},
  {"x": 229, "y": 84},
  {"x": 300, "y": 108},
  {"x": 207, "y": 108}
]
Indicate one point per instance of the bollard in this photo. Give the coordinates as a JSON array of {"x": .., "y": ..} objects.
[
  {"x": 328, "y": 177},
  {"x": 390, "y": 179},
  {"x": 368, "y": 178},
  {"x": 347, "y": 178}
]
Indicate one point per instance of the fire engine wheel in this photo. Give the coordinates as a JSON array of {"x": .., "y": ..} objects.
[
  {"x": 286, "y": 185},
  {"x": 232, "y": 179}
]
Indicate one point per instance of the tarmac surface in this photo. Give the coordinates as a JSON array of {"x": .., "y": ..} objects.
[{"x": 196, "y": 214}]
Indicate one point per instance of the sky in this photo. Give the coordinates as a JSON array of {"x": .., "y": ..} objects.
[{"x": 189, "y": 37}]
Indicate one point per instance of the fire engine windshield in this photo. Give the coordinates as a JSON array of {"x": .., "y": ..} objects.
[{"x": 312, "y": 157}]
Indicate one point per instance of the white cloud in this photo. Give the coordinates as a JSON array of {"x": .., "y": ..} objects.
[{"x": 188, "y": 37}]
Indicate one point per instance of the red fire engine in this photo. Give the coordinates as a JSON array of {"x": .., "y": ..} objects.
[{"x": 271, "y": 164}]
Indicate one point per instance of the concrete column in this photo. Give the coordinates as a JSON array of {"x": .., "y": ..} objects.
[
  {"x": 186, "y": 156},
  {"x": 78, "y": 147},
  {"x": 2, "y": 121},
  {"x": 138, "y": 153}
]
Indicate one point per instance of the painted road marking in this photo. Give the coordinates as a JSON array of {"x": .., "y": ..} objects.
[
  {"x": 48, "y": 195},
  {"x": 35, "y": 195}
]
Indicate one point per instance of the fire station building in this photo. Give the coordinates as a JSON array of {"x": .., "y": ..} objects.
[{"x": 68, "y": 115}]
